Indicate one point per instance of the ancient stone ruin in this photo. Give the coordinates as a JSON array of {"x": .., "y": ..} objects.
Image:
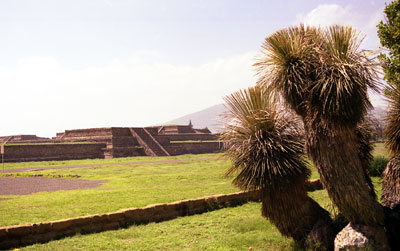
[{"x": 112, "y": 142}]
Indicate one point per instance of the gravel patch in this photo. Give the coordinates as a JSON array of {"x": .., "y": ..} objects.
[
  {"x": 35, "y": 169},
  {"x": 30, "y": 185}
]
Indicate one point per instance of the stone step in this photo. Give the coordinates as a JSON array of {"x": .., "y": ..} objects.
[
  {"x": 131, "y": 151},
  {"x": 125, "y": 141}
]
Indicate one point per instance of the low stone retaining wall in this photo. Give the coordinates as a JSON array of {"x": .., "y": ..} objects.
[
  {"x": 192, "y": 136},
  {"x": 23, "y": 235},
  {"x": 194, "y": 147},
  {"x": 17, "y": 153}
]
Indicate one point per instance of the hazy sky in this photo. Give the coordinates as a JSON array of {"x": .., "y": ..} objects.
[{"x": 80, "y": 64}]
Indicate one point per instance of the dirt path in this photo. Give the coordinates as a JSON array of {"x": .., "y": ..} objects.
[
  {"x": 27, "y": 169},
  {"x": 30, "y": 185}
]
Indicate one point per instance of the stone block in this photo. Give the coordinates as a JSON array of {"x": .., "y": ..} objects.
[
  {"x": 43, "y": 227},
  {"x": 361, "y": 237},
  {"x": 60, "y": 225},
  {"x": 17, "y": 231},
  {"x": 3, "y": 233},
  {"x": 110, "y": 226},
  {"x": 116, "y": 217},
  {"x": 10, "y": 243}
]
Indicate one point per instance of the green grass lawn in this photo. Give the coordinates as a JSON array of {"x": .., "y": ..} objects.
[
  {"x": 128, "y": 186},
  {"x": 380, "y": 150},
  {"x": 138, "y": 185},
  {"x": 135, "y": 185},
  {"x": 16, "y": 165},
  {"x": 226, "y": 229}
]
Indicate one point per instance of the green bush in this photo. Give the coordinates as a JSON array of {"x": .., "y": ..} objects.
[{"x": 377, "y": 166}]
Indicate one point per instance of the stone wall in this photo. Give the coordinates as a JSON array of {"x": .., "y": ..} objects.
[
  {"x": 24, "y": 138},
  {"x": 103, "y": 135},
  {"x": 194, "y": 147},
  {"x": 17, "y": 153},
  {"x": 17, "y": 236},
  {"x": 192, "y": 136},
  {"x": 23, "y": 235},
  {"x": 115, "y": 142}
]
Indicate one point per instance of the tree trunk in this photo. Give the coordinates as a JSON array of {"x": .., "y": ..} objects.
[
  {"x": 391, "y": 183},
  {"x": 298, "y": 216},
  {"x": 391, "y": 199},
  {"x": 335, "y": 155}
]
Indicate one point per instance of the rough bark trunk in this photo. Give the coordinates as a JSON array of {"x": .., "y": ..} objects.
[
  {"x": 391, "y": 200},
  {"x": 391, "y": 183},
  {"x": 335, "y": 155},
  {"x": 298, "y": 216}
]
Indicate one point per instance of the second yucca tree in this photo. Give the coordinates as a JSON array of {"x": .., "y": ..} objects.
[
  {"x": 324, "y": 77},
  {"x": 391, "y": 174},
  {"x": 266, "y": 148}
]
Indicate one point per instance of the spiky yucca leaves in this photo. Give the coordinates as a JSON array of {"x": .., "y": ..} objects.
[
  {"x": 266, "y": 148},
  {"x": 392, "y": 130},
  {"x": 264, "y": 145},
  {"x": 343, "y": 76},
  {"x": 391, "y": 174},
  {"x": 322, "y": 69},
  {"x": 288, "y": 63},
  {"x": 329, "y": 80}
]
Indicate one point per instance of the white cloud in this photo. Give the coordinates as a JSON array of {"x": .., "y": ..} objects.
[
  {"x": 40, "y": 96},
  {"x": 328, "y": 14}
]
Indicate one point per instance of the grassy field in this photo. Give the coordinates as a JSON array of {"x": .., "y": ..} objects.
[
  {"x": 226, "y": 229},
  {"x": 16, "y": 165},
  {"x": 138, "y": 185},
  {"x": 134, "y": 185},
  {"x": 380, "y": 150}
]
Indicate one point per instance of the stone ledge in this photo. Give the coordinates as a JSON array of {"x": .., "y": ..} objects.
[
  {"x": 23, "y": 235},
  {"x": 16, "y": 236}
]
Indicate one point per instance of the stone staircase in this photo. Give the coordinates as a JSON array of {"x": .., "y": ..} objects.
[
  {"x": 151, "y": 146},
  {"x": 123, "y": 145},
  {"x": 4, "y": 140}
]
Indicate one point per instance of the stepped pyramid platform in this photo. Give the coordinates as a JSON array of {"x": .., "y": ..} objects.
[
  {"x": 147, "y": 141},
  {"x": 112, "y": 142}
]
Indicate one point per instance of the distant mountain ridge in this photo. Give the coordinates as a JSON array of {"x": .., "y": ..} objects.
[
  {"x": 209, "y": 117},
  {"x": 204, "y": 118}
]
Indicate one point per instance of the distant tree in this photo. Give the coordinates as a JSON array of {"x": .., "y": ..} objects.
[
  {"x": 324, "y": 77},
  {"x": 266, "y": 147},
  {"x": 389, "y": 34},
  {"x": 377, "y": 128}
]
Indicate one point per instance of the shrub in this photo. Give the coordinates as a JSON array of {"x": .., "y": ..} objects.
[{"x": 377, "y": 166}]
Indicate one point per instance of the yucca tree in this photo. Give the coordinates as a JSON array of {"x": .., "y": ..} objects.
[
  {"x": 391, "y": 174},
  {"x": 324, "y": 77},
  {"x": 365, "y": 146},
  {"x": 266, "y": 148}
]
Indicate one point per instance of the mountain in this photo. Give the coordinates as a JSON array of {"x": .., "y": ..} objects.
[
  {"x": 209, "y": 117},
  {"x": 379, "y": 113},
  {"x": 204, "y": 118}
]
